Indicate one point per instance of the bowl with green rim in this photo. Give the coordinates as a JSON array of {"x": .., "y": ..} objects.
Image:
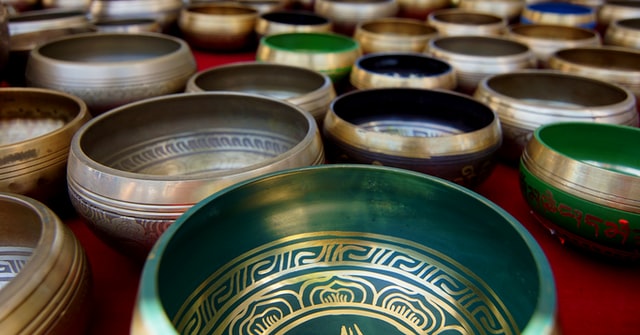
[
  {"x": 329, "y": 53},
  {"x": 582, "y": 181},
  {"x": 340, "y": 249}
]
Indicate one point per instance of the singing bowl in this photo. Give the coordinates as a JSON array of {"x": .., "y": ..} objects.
[
  {"x": 108, "y": 70},
  {"x": 559, "y": 13},
  {"x": 545, "y": 39},
  {"x": 623, "y": 33},
  {"x": 614, "y": 10},
  {"x": 139, "y": 25},
  {"x": 4, "y": 39},
  {"x": 165, "y": 12},
  {"x": 310, "y": 90},
  {"x": 36, "y": 127},
  {"x": 583, "y": 182},
  {"x": 328, "y": 53},
  {"x": 476, "y": 57},
  {"x": 509, "y": 10},
  {"x": 618, "y": 65},
  {"x": 420, "y": 9},
  {"x": 135, "y": 169},
  {"x": 290, "y": 21},
  {"x": 464, "y": 22},
  {"x": 437, "y": 132},
  {"x": 393, "y": 35},
  {"x": 45, "y": 282},
  {"x": 526, "y": 100},
  {"x": 345, "y": 15},
  {"x": 221, "y": 26},
  {"x": 47, "y": 19},
  {"x": 379, "y": 70},
  {"x": 346, "y": 249}
]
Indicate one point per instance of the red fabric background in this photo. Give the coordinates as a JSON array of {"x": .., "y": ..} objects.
[{"x": 594, "y": 296}]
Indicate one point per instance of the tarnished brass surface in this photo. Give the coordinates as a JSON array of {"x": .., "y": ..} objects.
[
  {"x": 46, "y": 275},
  {"x": 614, "y": 10},
  {"x": 128, "y": 25},
  {"x": 459, "y": 21},
  {"x": 289, "y": 21},
  {"x": 508, "y": 9},
  {"x": 420, "y": 9},
  {"x": 623, "y": 33},
  {"x": 393, "y": 35},
  {"x": 345, "y": 15},
  {"x": 166, "y": 12}
]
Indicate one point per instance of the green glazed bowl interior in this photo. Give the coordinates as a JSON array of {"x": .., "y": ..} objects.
[
  {"x": 346, "y": 248},
  {"x": 311, "y": 42}
]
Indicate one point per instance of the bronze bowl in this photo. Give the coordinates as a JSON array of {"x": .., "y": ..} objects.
[
  {"x": 525, "y": 100},
  {"x": 45, "y": 284},
  {"x": 346, "y": 249},
  {"x": 437, "y": 132},
  {"x": 310, "y": 90},
  {"x": 36, "y": 127},
  {"x": 582, "y": 181},
  {"x": 393, "y": 35},
  {"x": 135, "y": 169},
  {"x": 108, "y": 70}
]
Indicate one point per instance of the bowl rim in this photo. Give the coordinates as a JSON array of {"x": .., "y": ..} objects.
[
  {"x": 148, "y": 308},
  {"x": 350, "y": 44},
  {"x": 557, "y": 61}
]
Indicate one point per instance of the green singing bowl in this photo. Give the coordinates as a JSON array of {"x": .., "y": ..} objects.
[
  {"x": 582, "y": 181},
  {"x": 346, "y": 249}
]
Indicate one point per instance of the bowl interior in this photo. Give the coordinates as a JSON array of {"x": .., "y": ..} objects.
[
  {"x": 562, "y": 8},
  {"x": 633, "y": 23},
  {"x": 403, "y": 65},
  {"x": 339, "y": 248},
  {"x": 109, "y": 48},
  {"x": 553, "y": 32},
  {"x": 480, "y": 46},
  {"x": 21, "y": 230},
  {"x": 194, "y": 133},
  {"x": 311, "y": 42},
  {"x": 606, "y": 58},
  {"x": 398, "y": 28},
  {"x": 412, "y": 112},
  {"x": 466, "y": 18},
  {"x": 222, "y": 10},
  {"x": 295, "y": 18},
  {"x": 602, "y": 145}
]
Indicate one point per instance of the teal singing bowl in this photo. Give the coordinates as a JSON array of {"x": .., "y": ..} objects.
[{"x": 346, "y": 249}]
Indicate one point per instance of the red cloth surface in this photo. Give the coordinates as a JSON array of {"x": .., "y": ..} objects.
[{"x": 595, "y": 296}]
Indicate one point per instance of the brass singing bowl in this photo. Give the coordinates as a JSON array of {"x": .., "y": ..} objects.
[
  {"x": 614, "y": 10},
  {"x": 510, "y": 10},
  {"x": 617, "y": 65},
  {"x": 420, "y": 9},
  {"x": 310, "y": 90},
  {"x": 345, "y": 15},
  {"x": 476, "y": 57},
  {"x": 291, "y": 21},
  {"x": 583, "y": 182},
  {"x": 623, "y": 33},
  {"x": 221, "y": 26},
  {"x": 135, "y": 169},
  {"x": 545, "y": 39},
  {"x": 43, "y": 20},
  {"x": 36, "y": 127},
  {"x": 437, "y": 132},
  {"x": 108, "y": 70},
  {"x": 46, "y": 279},
  {"x": 77, "y": 4},
  {"x": 139, "y": 25},
  {"x": 526, "y": 100},
  {"x": 165, "y": 12},
  {"x": 393, "y": 35},
  {"x": 464, "y": 22},
  {"x": 328, "y": 53},
  {"x": 379, "y": 70},
  {"x": 559, "y": 13},
  {"x": 346, "y": 249}
]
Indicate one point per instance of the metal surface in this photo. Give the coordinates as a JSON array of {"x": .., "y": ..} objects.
[
  {"x": 559, "y": 13},
  {"x": 420, "y": 9},
  {"x": 345, "y": 15},
  {"x": 346, "y": 248},
  {"x": 288, "y": 21},
  {"x": 128, "y": 26},
  {"x": 623, "y": 33},
  {"x": 4, "y": 38},
  {"x": 508, "y": 9},
  {"x": 166, "y": 12},
  {"x": 393, "y": 35},
  {"x": 465, "y": 22},
  {"x": 614, "y": 10},
  {"x": 47, "y": 19}
]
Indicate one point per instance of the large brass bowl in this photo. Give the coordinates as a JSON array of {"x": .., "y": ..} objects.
[
  {"x": 525, "y": 100},
  {"x": 393, "y": 35},
  {"x": 36, "y": 127},
  {"x": 437, "y": 132},
  {"x": 346, "y": 249},
  {"x": 135, "y": 169},
  {"x": 108, "y": 70},
  {"x": 45, "y": 280},
  {"x": 310, "y": 90},
  {"x": 583, "y": 182}
]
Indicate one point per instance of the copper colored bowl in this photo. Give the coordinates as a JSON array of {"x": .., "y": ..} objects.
[
  {"x": 46, "y": 279},
  {"x": 393, "y": 35}
]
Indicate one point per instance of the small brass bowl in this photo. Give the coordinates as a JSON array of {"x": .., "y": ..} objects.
[
  {"x": 107, "y": 70},
  {"x": 623, "y": 33},
  {"x": 476, "y": 57},
  {"x": 46, "y": 279},
  {"x": 583, "y": 182},
  {"x": 458, "y": 22},
  {"x": 328, "y": 53},
  {"x": 36, "y": 127},
  {"x": 526, "y": 100},
  {"x": 310, "y": 90},
  {"x": 394, "y": 35},
  {"x": 346, "y": 249},
  {"x": 509, "y": 10},
  {"x": 614, "y": 10},
  {"x": 559, "y": 13},
  {"x": 437, "y": 132},
  {"x": 379, "y": 70},
  {"x": 345, "y": 15},
  {"x": 289, "y": 21},
  {"x": 420, "y": 9},
  {"x": 617, "y": 65},
  {"x": 545, "y": 39},
  {"x": 221, "y": 26},
  {"x": 165, "y": 12},
  {"x": 135, "y": 169}
]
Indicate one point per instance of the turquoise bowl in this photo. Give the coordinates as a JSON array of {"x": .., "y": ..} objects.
[{"x": 346, "y": 249}]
